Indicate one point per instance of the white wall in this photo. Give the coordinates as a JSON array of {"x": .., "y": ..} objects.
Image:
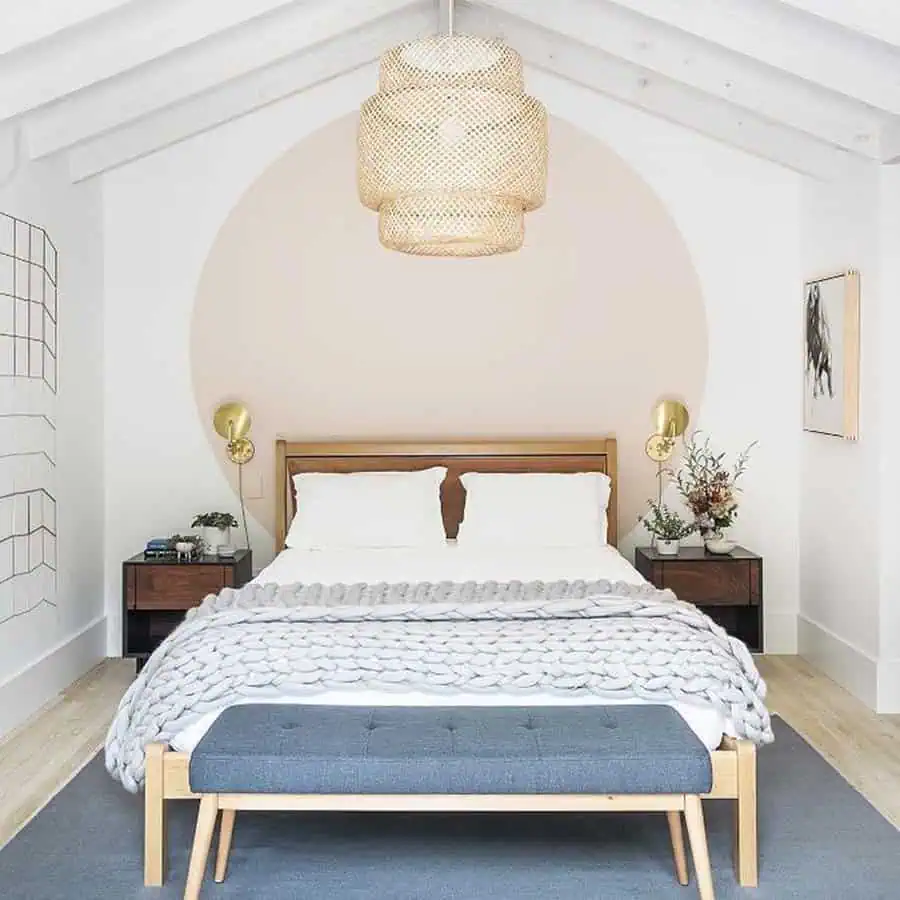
[
  {"x": 44, "y": 651},
  {"x": 889, "y": 469},
  {"x": 849, "y": 623},
  {"x": 739, "y": 218}
]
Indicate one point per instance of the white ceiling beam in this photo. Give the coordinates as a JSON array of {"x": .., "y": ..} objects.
[
  {"x": 879, "y": 19},
  {"x": 191, "y": 72},
  {"x": 10, "y": 155},
  {"x": 36, "y": 20},
  {"x": 141, "y": 33},
  {"x": 687, "y": 59},
  {"x": 326, "y": 61},
  {"x": 790, "y": 40},
  {"x": 667, "y": 99}
]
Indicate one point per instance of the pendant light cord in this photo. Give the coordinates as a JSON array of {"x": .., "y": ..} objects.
[{"x": 446, "y": 14}]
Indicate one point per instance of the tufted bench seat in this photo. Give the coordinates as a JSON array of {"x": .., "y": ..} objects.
[{"x": 272, "y": 756}]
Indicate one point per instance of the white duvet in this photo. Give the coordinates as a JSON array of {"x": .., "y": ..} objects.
[{"x": 454, "y": 562}]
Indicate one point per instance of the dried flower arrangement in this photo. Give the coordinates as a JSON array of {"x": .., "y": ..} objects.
[{"x": 708, "y": 486}]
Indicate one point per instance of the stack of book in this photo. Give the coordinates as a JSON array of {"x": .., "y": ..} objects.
[{"x": 160, "y": 548}]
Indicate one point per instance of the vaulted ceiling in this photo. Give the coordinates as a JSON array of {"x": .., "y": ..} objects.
[{"x": 813, "y": 85}]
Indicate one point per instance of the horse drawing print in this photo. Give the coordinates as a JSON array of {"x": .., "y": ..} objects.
[{"x": 818, "y": 344}]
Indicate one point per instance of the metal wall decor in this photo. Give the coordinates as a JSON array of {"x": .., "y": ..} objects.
[{"x": 28, "y": 386}]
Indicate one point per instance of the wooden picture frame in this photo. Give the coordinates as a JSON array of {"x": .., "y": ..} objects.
[{"x": 831, "y": 355}]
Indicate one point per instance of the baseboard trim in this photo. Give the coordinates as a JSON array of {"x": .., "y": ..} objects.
[
  {"x": 31, "y": 688},
  {"x": 888, "y": 687},
  {"x": 781, "y": 633},
  {"x": 843, "y": 662}
]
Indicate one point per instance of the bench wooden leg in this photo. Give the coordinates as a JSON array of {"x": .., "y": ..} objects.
[
  {"x": 696, "y": 827},
  {"x": 225, "y": 834},
  {"x": 206, "y": 826},
  {"x": 154, "y": 817},
  {"x": 677, "y": 835},
  {"x": 746, "y": 850}
]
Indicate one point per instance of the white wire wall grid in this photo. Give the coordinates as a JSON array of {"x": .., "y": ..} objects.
[{"x": 28, "y": 384}]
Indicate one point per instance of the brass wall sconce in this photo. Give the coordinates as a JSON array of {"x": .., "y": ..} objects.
[
  {"x": 670, "y": 418},
  {"x": 232, "y": 421}
]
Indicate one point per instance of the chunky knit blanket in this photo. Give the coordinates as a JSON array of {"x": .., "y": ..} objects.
[{"x": 573, "y": 638}]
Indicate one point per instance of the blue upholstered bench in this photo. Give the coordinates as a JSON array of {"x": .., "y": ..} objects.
[{"x": 584, "y": 758}]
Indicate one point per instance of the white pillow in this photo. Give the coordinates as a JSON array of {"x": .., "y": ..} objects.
[
  {"x": 368, "y": 509},
  {"x": 535, "y": 509}
]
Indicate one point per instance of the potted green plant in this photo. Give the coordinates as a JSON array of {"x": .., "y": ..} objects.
[
  {"x": 216, "y": 529},
  {"x": 667, "y": 527}
]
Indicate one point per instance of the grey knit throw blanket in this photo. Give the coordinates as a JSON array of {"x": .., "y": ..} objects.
[{"x": 574, "y": 638}]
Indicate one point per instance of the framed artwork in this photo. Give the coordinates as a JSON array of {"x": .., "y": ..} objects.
[{"x": 831, "y": 355}]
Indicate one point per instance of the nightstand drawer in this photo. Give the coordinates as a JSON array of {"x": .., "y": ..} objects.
[
  {"x": 724, "y": 584},
  {"x": 176, "y": 587}
]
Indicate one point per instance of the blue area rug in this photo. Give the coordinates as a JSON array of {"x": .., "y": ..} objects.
[{"x": 819, "y": 839}]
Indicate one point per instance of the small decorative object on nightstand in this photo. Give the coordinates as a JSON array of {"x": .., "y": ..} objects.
[
  {"x": 727, "y": 587},
  {"x": 711, "y": 490},
  {"x": 157, "y": 592},
  {"x": 216, "y": 529},
  {"x": 667, "y": 527}
]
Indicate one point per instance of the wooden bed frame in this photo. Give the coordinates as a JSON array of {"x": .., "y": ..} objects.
[{"x": 734, "y": 763}]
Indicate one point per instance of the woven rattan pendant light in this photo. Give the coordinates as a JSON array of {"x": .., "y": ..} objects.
[{"x": 452, "y": 151}]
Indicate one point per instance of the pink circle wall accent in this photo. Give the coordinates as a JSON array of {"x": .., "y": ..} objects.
[{"x": 302, "y": 314}]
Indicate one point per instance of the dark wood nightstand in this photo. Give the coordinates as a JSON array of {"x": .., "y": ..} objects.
[
  {"x": 156, "y": 593},
  {"x": 727, "y": 587}
]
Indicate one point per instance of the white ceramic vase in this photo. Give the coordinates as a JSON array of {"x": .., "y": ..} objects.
[
  {"x": 667, "y": 548},
  {"x": 215, "y": 538}
]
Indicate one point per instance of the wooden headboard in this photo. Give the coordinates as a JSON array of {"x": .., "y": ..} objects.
[{"x": 583, "y": 455}]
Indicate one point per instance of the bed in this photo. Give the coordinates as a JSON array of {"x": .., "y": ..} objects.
[{"x": 733, "y": 759}]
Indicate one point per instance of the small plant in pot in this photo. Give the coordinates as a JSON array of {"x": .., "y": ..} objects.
[
  {"x": 216, "y": 529},
  {"x": 667, "y": 527}
]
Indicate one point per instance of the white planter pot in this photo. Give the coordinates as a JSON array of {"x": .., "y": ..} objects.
[
  {"x": 667, "y": 548},
  {"x": 215, "y": 538}
]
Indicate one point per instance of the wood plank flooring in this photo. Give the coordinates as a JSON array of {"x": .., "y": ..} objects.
[
  {"x": 863, "y": 747},
  {"x": 39, "y": 758}
]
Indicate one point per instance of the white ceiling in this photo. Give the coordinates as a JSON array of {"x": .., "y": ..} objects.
[{"x": 811, "y": 84}]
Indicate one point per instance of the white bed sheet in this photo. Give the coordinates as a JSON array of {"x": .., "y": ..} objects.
[
  {"x": 452, "y": 562},
  {"x": 457, "y": 563}
]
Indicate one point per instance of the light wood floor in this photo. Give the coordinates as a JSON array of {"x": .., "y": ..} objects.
[
  {"x": 44, "y": 754},
  {"x": 37, "y": 759}
]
